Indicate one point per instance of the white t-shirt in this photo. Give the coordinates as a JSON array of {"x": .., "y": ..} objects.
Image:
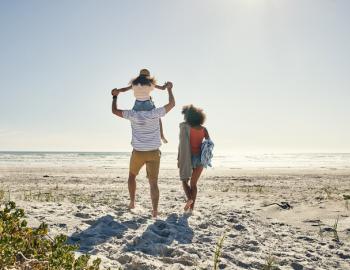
[
  {"x": 145, "y": 128},
  {"x": 142, "y": 92}
]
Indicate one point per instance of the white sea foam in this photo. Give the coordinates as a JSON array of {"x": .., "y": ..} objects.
[{"x": 121, "y": 159}]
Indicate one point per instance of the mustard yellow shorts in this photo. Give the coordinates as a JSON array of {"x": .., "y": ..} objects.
[{"x": 150, "y": 158}]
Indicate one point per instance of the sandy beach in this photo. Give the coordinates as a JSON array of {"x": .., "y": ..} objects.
[
  {"x": 89, "y": 204},
  {"x": 91, "y": 91}
]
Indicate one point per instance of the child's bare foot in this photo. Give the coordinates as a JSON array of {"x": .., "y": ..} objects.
[
  {"x": 188, "y": 205},
  {"x": 164, "y": 140},
  {"x": 132, "y": 205}
]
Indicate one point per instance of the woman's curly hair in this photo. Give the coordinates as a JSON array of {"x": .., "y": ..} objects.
[{"x": 193, "y": 116}]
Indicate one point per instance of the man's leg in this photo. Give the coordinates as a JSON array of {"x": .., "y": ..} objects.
[
  {"x": 132, "y": 189},
  {"x": 136, "y": 163},
  {"x": 153, "y": 183},
  {"x": 152, "y": 168}
]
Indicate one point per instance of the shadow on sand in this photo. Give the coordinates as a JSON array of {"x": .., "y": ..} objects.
[
  {"x": 158, "y": 237},
  {"x": 101, "y": 230}
]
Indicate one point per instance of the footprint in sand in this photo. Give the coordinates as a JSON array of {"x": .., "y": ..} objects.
[
  {"x": 159, "y": 236},
  {"x": 82, "y": 215},
  {"x": 297, "y": 266},
  {"x": 239, "y": 227}
]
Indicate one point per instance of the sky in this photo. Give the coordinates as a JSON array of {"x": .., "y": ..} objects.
[{"x": 271, "y": 75}]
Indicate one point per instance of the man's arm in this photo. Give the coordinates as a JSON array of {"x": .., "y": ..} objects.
[
  {"x": 115, "y": 109},
  {"x": 171, "y": 103}
]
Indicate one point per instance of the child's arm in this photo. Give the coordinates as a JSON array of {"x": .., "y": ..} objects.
[
  {"x": 124, "y": 89},
  {"x": 163, "y": 87}
]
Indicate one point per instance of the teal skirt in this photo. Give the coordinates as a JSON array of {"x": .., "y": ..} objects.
[{"x": 196, "y": 161}]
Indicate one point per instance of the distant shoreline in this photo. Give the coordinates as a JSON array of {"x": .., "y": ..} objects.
[{"x": 170, "y": 152}]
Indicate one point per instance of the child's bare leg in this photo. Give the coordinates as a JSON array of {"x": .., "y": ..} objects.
[{"x": 161, "y": 132}]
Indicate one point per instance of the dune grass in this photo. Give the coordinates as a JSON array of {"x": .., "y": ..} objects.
[
  {"x": 335, "y": 230},
  {"x": 218, "y": 251},
  {"x": 270, "y": 263},
  {"x": 346, "y": 199},
  {"x": 23, "y": 247},
  {"x": 2, "y": 195}
]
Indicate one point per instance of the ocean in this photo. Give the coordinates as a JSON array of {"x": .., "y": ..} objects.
[{"x": 121, "y": 159}]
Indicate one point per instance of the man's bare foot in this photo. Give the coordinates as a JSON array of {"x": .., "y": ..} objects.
[
  {"x": 154, "y": 213},
  {"x": 132, "y": 205},
  {"x": 164, "y": 140},
  {"x": 188, "y": 205}
]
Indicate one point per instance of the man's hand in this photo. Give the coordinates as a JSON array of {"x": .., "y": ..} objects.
[
  {"x": 169, "y": 85},
  {"x": 171, "y": 103},
  {"x": 115, "y": 92}
]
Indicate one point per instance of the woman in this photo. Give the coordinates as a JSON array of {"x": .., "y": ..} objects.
[{"x": 192, "y": 134}]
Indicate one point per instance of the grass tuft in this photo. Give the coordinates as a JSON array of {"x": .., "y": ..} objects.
[
  {"x": 328, "y": 190},
  {"x": 270, "y": 263},
  {"x": 2, "y": 195},
  {"x": 218, "y": 251},
  {"x": 346, "y": 199},
  {"x": 335, "y": 230}
]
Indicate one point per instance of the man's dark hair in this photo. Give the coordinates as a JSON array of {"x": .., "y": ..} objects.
[{"x": 193, "y": 116}]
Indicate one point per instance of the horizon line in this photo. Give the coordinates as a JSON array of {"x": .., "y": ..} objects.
[{"x": 115, "y": 152}]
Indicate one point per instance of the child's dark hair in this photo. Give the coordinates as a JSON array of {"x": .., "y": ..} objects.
[
  {"x": 193, "y": 116},
  {"x": 143, "y": 80}
]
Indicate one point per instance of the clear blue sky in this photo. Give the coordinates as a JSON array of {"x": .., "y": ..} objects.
[{"x": 271, "y": 75}]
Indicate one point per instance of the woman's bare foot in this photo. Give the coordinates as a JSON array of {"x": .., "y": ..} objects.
[
  {"x": 189, "y": 212},
  {"x": 164, "y": 140},
  {"x": 188, "y": 205},
  {"x": 132, "y": 205}
]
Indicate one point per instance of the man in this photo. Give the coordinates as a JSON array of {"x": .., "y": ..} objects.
[{"x": 145, "y": 142}]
